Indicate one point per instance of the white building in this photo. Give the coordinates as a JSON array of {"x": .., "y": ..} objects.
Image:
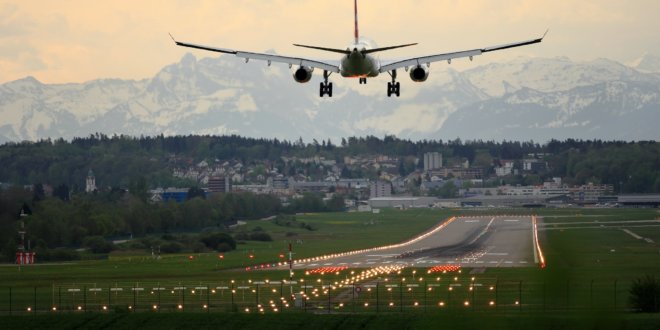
[
  {"x": 432, "y": 161},
  {"x": 381, "y": 189},
  {"x": 505, "y": 169}
]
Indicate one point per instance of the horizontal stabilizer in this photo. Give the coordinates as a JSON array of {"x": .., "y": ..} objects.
[
  {"x": 334, "y": 50},
  {"x": 348, "y": 52},
  {"x": 368, "y": 51}
]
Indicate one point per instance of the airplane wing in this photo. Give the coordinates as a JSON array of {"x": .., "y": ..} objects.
[
  {"x": 449, "y": 56},
  {"x": 265, "y": 57}
]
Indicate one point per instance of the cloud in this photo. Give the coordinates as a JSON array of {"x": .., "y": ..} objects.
[{"x": 410, "y": 118}]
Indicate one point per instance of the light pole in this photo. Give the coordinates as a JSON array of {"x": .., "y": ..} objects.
[{"x": 21, "y": 248}]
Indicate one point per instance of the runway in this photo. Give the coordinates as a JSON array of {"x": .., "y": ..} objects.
[{"x": 502, "y": 241}]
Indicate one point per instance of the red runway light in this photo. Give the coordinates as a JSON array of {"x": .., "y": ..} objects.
[
  {"x": 444, "y": 268},
  {"x": 324, "y": 270}
]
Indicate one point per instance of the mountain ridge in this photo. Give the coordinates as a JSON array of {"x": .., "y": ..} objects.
[{"x": 525, "y": 98}]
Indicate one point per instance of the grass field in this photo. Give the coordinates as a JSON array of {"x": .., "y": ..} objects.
[{"x": 589, "y": 273}]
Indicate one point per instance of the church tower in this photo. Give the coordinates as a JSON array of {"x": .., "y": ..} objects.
[{"x": 90, "y": 185}]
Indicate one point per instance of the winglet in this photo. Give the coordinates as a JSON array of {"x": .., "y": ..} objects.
[
  {"x": 173, "y": 38},
  {"x": 546, "y": 32}
]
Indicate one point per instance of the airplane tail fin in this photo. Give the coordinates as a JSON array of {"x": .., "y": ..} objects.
[{"x": 357, "y": 31}]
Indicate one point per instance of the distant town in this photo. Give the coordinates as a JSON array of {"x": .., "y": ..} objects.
[{"x": 452, "y": 183}]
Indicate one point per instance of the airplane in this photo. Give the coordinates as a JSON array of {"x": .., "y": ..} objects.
[{"x": 358, "y": 61}]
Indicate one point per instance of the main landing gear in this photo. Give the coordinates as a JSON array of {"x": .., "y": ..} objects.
[
  {"x": 363, "y": 81},
  {"x": 393, "y": 87},
  {"x": 326, "y": 87}
]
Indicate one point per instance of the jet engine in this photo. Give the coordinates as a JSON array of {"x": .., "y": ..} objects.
[
  {"x": 303, "y": 74},
  {"x": 419, "y": 73}
]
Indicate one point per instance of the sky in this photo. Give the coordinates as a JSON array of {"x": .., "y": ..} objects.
[{"x": 72, "y": 41}]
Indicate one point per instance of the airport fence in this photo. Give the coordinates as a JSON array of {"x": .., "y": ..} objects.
[{"x": 392, "y": 295}]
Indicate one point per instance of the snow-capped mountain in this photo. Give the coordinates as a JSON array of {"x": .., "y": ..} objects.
[
  {"x": 524, "y": 99},
  {"x": 647, "y": 63}
]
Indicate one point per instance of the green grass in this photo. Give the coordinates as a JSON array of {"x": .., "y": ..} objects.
[
  {"x": 589, "y": 273},
  {"x": 336, "y": 321},
  {"x": 335, "y": 232}
]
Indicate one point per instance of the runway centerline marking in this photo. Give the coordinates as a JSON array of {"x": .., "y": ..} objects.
[{"x": 483, "y": 232}]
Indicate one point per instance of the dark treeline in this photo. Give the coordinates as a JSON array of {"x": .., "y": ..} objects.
[
  {"x": 147, "y": 162},
  {"x": 56, "y": 226},
  {"x": 58, "y": 223}
]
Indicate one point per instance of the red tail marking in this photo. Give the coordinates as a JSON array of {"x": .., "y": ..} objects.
[{"x": 357, "y": 34}]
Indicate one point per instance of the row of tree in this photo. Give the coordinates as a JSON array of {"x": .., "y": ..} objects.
[{"x": 85, "y": 220}]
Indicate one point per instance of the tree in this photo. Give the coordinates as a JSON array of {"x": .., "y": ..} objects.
[
  {"x": 336, "y": 203},
  {"x": 219, "y": 242},
  {"x": 97, "y": 244},
  {"x": 39, "y": 193},
  {"x": 645, "y": 294},
  {"x": 194, "y": 192},
  {"x": 62, "y": 192},
  {"x": 448, "y": 190}
]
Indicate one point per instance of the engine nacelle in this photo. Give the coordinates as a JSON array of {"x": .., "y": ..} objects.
[
  {"x": 303, "y": 74},
  {"x": 419, "y": 73}
]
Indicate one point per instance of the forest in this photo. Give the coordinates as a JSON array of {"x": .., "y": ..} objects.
[{"x": 56, "y": 227}]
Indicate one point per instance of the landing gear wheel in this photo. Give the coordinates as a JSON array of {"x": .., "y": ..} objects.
[
  {"x": 325, "y": 87},
  {"x": 363, "y": 81},
  {"x": 393, "y": 87}
]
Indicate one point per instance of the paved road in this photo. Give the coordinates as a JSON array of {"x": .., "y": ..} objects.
[{"x": 503, "y": 241}]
